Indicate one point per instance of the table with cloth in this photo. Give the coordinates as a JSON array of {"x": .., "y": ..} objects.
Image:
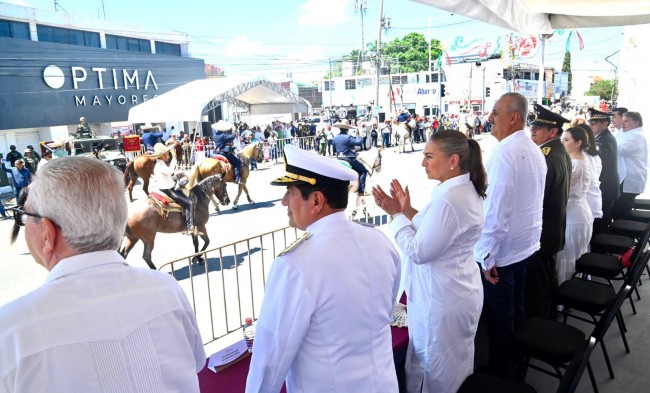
[{"x": 233, "y": 378}]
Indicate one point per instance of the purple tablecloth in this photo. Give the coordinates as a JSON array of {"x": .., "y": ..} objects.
[{"x": 233, "y": 378}]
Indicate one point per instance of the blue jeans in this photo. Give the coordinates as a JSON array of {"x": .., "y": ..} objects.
[
  {"x": 361, "y": 170},
  {"x": 503, "y": 310},
  {"x": 236, "y": 164},
  {"x": 385, "y": 139}
]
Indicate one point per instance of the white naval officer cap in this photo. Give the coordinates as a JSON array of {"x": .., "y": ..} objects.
[{"x": 303, "y": 167}]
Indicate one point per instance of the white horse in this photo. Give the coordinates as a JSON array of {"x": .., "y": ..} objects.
[
  {"x": 402, "y": 134},
  {"x": 371, "y": 160}
]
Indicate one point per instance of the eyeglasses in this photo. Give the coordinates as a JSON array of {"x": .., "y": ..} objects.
[{"x": 20, "y": 216}]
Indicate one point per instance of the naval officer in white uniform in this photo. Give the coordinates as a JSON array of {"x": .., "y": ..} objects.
[{"x": 324, "y": 324}]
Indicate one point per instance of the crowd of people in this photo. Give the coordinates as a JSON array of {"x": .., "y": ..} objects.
[{"x": 492, "y": 242}]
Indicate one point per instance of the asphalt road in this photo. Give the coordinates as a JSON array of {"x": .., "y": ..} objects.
[{"x": 230, "y": 273}]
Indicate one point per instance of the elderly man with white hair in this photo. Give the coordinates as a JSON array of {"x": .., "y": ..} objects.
[{"x": 96, "y": 324}]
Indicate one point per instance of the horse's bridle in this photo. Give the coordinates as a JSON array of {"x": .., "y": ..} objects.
[{"x": 375, "y": 165}]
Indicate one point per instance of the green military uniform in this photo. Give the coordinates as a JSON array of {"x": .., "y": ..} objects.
[
  {"x": 541, "y": 275},
  {"x": 83, "y": 130}
]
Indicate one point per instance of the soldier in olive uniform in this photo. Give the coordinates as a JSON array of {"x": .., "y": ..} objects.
[
  {"x": 83, "y": 130},
  {"x": 608, "y": 152},
  {"x": 541, "y": 276}
]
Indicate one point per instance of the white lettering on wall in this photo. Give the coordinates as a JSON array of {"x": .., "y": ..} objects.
[
  {"x": 80, "y": 100},
  {"x": 99, "y": 75},
  {"x": 76, "y": 79},
  {"x": 133, "y": 79},
  {"x": 108, "y": 99},
  {"x": 134, "y": 99},
  {"x": 115, "y": 86},
  {"x": 151, "y": 79},
  {"x": 121, "y": 100},
  {"x": 145, "y": 98},
  {"x": 96, "y": 101}
]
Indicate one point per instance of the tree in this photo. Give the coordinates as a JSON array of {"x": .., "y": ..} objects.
[
  {"x": 411, "y": 53},
  {"x": 602, "y": 88},
  {"x": 566, "y": 67}
]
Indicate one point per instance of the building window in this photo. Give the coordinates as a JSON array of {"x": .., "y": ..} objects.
[
  {"x": 397, "y": 80},
  {"x": 165, "y": 48},
  {"x": 67, "y": 36},
  {"x": 329, "y": 85},
  {"x": 362, "y": 82},
  {"x": 433, "y": 78},
  {"x": 350, "y": 84},
  {"x": 11, "y": 29},
  {"x": 128, "y": 44},
  {"x": 383, "y": 80}
]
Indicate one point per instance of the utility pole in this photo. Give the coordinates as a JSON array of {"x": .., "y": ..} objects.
[
  {"x": 330, "y": 83},
  {"x": 483, "y": 100},
  {"x": 381, "y": 25},
  {"x": 469, "y": 100}
]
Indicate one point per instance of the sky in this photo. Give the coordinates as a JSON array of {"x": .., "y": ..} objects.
[{"x": 298, "y": 37}]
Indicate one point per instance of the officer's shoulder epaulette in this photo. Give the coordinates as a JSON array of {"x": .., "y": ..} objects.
[
  {"x": 295, "y": 244},
  {"x": 546, "y": 150}
]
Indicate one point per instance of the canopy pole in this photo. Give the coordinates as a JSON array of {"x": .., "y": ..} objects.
[{"x": 540, "y": 83}]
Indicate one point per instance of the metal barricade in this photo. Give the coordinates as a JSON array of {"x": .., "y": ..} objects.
[{"x": 229, "y": 286}]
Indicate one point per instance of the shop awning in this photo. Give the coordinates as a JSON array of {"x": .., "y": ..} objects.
[
  {"x": 543, "y": 16},
  {"x": 194, "y": 99}
]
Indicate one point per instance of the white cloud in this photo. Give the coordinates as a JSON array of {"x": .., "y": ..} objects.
[
  {"x": 241, "y": 46},
  {"x": 325, "y": 12}
]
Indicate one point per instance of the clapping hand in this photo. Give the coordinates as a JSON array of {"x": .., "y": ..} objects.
[
  {"x": 401, "y": 195},
  {"x": 385, "y": 202}
]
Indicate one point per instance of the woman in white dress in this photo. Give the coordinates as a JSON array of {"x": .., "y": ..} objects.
[
  {"x": 443, "y": 282},
  {"x": 594, "y": 195},
  {"x": 579, "y": 219}
]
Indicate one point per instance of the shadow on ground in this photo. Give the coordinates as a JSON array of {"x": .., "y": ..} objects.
[
  {"x": 244, "y": 205},
  {"x": 214, "y": 264}
]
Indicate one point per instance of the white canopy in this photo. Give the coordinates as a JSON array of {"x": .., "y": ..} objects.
[
  {"x": 542, "y": 16},
  {"x": 194, "y": 99}
]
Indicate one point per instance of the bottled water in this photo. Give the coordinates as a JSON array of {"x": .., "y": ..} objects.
[{"x": 249, "y": 333}]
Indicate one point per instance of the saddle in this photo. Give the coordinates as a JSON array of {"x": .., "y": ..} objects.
[
  {"x": 227, "y": 164},
  {"x": 166, "y": 204}
]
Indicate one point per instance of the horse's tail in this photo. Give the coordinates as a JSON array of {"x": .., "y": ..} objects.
[
  {"x": 129, "y": 173},
  {"x": 195, "y": 175}
]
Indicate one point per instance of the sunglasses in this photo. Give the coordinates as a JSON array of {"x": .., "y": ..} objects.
[{"x": 20, "y": 216}]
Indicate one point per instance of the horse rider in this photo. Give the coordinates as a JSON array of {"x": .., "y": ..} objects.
[
  {"x": 163, "y": 172},
  {"x": 223, "y": 140},
  {"x": 344, "y": 146}
]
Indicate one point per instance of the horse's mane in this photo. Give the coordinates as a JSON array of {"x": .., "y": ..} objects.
[
  {"x": 22, "y": 198},
  {"x": 246, "y": 153},
  {"x": 207, "y": 184}
]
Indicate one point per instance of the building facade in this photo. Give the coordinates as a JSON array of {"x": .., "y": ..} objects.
[
  {"x": 58, "y": 68},
  {"x": 475, "y": 84}
]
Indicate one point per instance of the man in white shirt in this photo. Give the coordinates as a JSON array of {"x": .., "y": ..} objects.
[
  {"x": 96, "y": 324},
  {"x": 516, "y": 175},
  {"x": 617, "y": 118},
  {"x": 325, "y": 319}
]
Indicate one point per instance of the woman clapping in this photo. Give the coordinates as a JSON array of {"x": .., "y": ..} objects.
[{"x": 442, "y": 280}]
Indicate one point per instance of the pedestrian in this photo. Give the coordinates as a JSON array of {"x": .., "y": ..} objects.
[
  {"x": 444, "y": 289},
  {"x": 541, "y": 280},
  {"x": 385, "y": 134},
  {"x": 21, "y": 176},
  {"x": 324, "y": 324},
  {"x": 13, "y": 155},
  {"x": 516, "y": 173},
  {"x": 608, "y": 153},
  {"x": 109, "y": 326},
  {"x": 31, "y": 162},
  {"x": 632, "y": 163},
  {"x": 47, "y": 157},
  {"x": 617, "y": 119}
]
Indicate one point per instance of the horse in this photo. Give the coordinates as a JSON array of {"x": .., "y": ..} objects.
[
  {"x": 142, "y": 166},
  {"x": 402, "y": 133},
  {"x": 213, "y": 166},
  {"x": 155, "y": 217},
  {"x": 371, "y": 159}
]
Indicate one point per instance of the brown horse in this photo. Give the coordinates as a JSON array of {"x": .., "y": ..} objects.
[
  {"x": 142, "y": 166},
  {"x": 211, "y": 166},
  {"x": 146, "y": 222}
]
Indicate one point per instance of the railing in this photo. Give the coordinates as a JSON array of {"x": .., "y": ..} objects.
[
  {"x": 274, "y": 149},
  {"x": 229, "y": 286}
]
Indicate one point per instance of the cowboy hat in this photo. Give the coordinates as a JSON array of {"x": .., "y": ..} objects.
[
  {"x": 223, "y": 125},
  {"x": 160, "y": 149}
]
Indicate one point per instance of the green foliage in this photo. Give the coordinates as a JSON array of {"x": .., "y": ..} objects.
[
  {"x": 566, "y": 67},
  {"x": 411, "y": 53},
  {"x": 603, "y": 88}
]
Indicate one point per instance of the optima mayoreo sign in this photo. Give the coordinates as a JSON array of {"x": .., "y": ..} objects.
[{"x": 55, "y": 84}]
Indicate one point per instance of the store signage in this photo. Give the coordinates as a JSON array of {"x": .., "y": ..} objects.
[
  {"x": 422, "y": 91},
  {"x": 108, "y": 79}
]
